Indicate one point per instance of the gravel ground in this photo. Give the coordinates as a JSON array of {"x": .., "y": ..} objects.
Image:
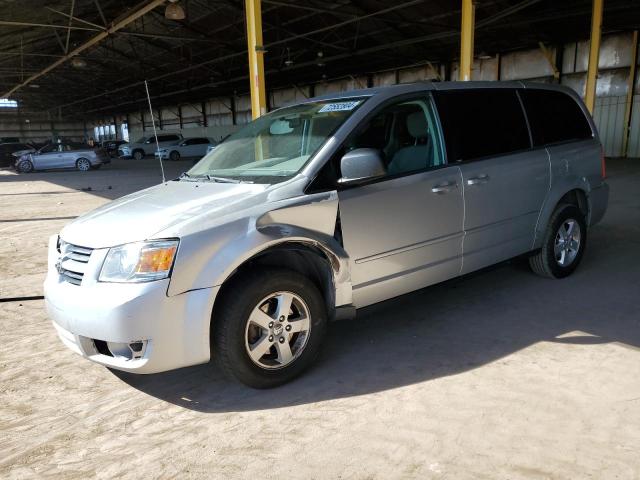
[{"x": 499, "y": 374}]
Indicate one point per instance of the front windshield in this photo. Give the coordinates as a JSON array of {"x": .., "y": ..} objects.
[{"x": 275, "y": 146}]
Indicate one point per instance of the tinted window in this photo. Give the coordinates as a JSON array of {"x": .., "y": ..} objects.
[
  {"x": 167, "y": 138},
  {"x": 554, "y": 117},
  {"x": 196, "y": 141},
  {"x": 14, "y": 147},
  {"x": 483, "y": 122}
]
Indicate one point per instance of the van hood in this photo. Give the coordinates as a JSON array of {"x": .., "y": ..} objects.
[{"x": 143, "y": 214}]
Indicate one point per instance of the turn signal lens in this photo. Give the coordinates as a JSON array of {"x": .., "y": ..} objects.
[{"x": 156, "y": 259}]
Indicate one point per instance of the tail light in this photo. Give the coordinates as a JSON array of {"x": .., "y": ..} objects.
[{"x": 603, "y": 165}]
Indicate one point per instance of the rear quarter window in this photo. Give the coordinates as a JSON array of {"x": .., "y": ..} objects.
[
  {"x": 167, "y": 138},
  {"x": 481, "y": 123},
  {"x": 554, "y": 117}
]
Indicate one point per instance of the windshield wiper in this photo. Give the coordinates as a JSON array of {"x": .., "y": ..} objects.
[
  {"x": 224, "y": 179},
  {"x": 186, "y": 176},
  {"x": 199, "y": 178}
]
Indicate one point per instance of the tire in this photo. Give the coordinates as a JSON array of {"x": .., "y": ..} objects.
[
  {"x": 24, "y": 166},
  {"x": 550, "y": 261},
  {"x": 83, "y": 164},
  {"x": 174, "y": 156},
  {"x": 138, "y": 155},
  {"x": 235, "y": 333}
]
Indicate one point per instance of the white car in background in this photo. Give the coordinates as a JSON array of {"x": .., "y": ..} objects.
[
  {"x": 147, "y": 145},
  {"x": 189, "y": 147}
]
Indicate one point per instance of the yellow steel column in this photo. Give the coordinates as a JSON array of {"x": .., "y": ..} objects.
[
  {"x": 466, "y": 39},
  {"x": 256, "y": 58},
  {"x": 630, "y": 86},
  {"x": 594, "y": 54}
]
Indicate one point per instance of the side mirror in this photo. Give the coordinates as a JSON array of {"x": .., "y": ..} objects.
[{"x": 360, "y": 165}]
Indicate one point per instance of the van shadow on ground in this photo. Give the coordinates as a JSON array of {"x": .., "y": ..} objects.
[
  {"x": 456, "y": 326},
  {"x": 440, "y": 331}
]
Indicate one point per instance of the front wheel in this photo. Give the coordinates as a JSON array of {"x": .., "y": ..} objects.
[
  {"x": 25, "y": 166},
  {"x": 138, "y": 155},
  {"x": 563, "y": 245},
  {"x": 174, "y": 156},
  {"x": 269, "y": 327}
]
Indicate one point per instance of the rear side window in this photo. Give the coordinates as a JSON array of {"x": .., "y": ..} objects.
[
  {"x": 167, "y": 138},
  {"x": 554, "y": 117},
  {"x": 481, "y": 123}
]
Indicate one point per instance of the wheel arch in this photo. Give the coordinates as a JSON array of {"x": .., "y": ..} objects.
[
  {"x": 301, "y": 256},
  {"x": 577, "y": 195}
]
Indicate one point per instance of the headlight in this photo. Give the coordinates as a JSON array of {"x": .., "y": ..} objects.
[{"x": 139, "y": 262}]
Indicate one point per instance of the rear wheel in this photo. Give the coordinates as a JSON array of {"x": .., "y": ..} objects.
[
  {"x": 25, "y": 166},
  {"x": 138, "y": 155},
  {"x": 269, "y": 327},
  {"x": 83, "y": 164},
  {"x": 174, "y": 156},
  {"x": 563, "y": 244}
]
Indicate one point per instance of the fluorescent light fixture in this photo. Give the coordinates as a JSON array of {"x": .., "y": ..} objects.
[{"x": 7, "y": 103}]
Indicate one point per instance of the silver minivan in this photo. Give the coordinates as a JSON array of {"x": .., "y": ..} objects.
[{"x": 318, "y": 209}]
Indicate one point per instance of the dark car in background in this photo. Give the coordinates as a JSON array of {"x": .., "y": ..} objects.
[
  {"x": 8, "y": 149},
  {"x": 111, "y": 146}
]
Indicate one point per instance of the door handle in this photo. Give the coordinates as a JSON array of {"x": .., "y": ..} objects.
[
  {"x": 444, "y": 187},
  {"x": 478, "y": 180}
]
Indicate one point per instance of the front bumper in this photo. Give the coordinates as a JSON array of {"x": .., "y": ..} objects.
[{"x": 99, "y": 320}]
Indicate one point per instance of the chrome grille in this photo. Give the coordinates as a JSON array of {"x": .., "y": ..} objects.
[{"x": 73, "y": 261}]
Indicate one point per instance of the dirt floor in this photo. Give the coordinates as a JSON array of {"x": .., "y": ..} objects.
[{"x": 498, "y": 375}]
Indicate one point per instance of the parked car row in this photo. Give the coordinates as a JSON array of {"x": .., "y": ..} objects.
[{"x": 169, "y": 147}]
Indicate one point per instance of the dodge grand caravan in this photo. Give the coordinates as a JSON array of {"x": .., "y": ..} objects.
[{"x": 315, "y": 210}]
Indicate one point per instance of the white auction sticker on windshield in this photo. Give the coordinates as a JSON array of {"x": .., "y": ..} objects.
[{"x": 339, "y": 107}]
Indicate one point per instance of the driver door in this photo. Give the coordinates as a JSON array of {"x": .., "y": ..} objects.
[
  {"x": 404, "y": 231},
  {"x": 47, "y": 157}
]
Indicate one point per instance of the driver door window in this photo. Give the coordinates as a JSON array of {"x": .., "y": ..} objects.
[{"x": 406, "y": 134}]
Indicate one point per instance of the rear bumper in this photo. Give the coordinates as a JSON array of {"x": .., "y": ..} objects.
[{"x": 598, "y": 202}]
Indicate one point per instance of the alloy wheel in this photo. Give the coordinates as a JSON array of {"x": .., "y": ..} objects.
[
  {"x": 567, "y": 242},
  {"x": 83, "y": 164},
  {"x": 277, "y": 330}
]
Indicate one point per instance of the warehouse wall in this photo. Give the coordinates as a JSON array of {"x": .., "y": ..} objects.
[
  {"x": 39, "y": 127},
  {"x": 217, "y": 118}
]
